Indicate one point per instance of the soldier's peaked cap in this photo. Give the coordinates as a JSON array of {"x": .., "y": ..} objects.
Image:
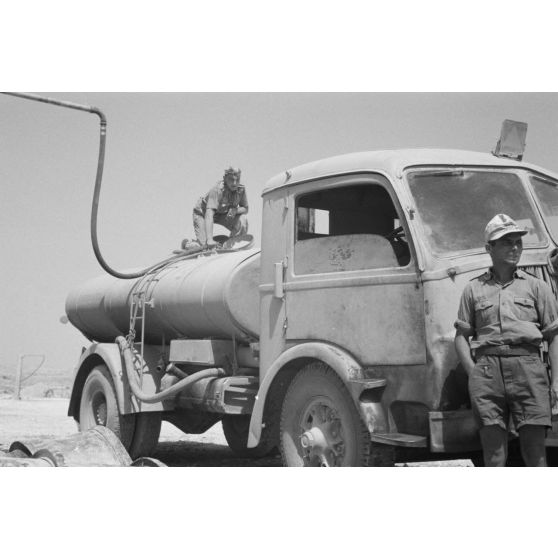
[{"x": 500, "y": 226}]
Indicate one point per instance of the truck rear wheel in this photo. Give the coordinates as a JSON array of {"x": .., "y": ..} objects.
[
  {"x": 98, "y": 406},
  {"x": 139, "y": 432},
  {"x": 235, "y": 428},
  {"x": 321, "y": 427}
]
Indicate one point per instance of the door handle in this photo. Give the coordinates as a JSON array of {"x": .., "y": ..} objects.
[{"x": 278, "y": 291}]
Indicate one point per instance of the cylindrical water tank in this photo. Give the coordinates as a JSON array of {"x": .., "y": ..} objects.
[{"x": 214, "y": 295}]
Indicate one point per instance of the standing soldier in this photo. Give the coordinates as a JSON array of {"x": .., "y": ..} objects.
[
  {"x": 225, "y": 204},
  {"x": 505, "y": 312}
]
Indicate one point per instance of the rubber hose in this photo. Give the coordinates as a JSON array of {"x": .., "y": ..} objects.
[
  {"x": 97, "y": 190},
  {"x": 98, "y": 179},
  {"x": 169, "y": 392}
]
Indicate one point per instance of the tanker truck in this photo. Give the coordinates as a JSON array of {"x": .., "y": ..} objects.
[{"x": 334, "y": 342}]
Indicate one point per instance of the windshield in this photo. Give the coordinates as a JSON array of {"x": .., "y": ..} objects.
[
  {"x": 547, "y": 193},
  {"x": 456, "y": 205}
]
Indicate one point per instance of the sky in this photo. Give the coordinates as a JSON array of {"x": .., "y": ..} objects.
[{"x": 164, "y": 150}]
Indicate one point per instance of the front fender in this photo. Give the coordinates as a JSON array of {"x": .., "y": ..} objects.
[{"x": 343, "y": 364}]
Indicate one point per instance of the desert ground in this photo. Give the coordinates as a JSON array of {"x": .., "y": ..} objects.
[
  {"x": 32, "y": 418},
  {"x": 42, "y": 410}
]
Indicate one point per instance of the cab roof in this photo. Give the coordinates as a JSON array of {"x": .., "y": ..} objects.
[{"x": 392, "y": 163}]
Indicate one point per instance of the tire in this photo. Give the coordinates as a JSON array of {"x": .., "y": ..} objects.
[
  {"x": 235, "y": 428},
  {"x": 146, "y": 434},
  {"x": 98, "y": 406},
  {"x": 319, "y": 412}
]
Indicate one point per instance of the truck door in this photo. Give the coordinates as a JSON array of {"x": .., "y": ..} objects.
[{"x": 351, "y": 277}]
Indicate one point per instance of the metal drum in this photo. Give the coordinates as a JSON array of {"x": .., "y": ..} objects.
[{"x": 98, "y": 447}]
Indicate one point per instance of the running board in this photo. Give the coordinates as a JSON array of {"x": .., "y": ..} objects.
[{"x": 398, "y": 439}]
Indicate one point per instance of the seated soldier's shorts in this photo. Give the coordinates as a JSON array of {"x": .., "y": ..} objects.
[{"x": 516, "y": 386}]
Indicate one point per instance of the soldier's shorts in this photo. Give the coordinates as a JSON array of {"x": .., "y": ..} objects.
[{"x": 510, "y": 386}]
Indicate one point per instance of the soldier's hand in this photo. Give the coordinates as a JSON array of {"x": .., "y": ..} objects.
[{"x": 231, "y": 212}]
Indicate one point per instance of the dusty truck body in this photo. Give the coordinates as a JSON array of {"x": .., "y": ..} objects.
[{"x": 335, "y": 341}]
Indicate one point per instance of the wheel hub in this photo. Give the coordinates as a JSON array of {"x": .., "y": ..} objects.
[
  {"x": 100, "y": 412},
  {"x": 322, "y": 436}
]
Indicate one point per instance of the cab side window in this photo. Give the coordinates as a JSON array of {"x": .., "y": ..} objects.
[{"x": 348, "y": 228}]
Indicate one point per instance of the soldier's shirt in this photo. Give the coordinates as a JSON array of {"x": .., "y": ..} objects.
[
  {"x": 520, "y": 312},
  {"x": 221, "y": 199}
]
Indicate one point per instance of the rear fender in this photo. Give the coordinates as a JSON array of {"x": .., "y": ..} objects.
[
  {"x": 366, "y": 393},
  {"x": 109, "y": 355}
]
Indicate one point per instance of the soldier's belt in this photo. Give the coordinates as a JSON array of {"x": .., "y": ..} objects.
[{"x": 508, "y": 350}]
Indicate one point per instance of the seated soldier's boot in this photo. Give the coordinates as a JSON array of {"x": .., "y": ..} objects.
[{"x": 188, "y": 244}]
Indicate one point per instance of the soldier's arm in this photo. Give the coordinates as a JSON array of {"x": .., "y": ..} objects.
[
  {"x": 209, "y": 215},
  {"x": 243, "y": 204},
  {"x": 547, "y": 308},
  {"x": 553, "y": 357},
  {"x": 237, "y": 211},
  {"x": 465, "y": 328},
  {"x": 242, "y": 207},
  {"x": 463, "y": 350}
]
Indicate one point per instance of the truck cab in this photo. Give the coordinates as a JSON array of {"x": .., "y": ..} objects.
[{"x": 364, "y": 259}]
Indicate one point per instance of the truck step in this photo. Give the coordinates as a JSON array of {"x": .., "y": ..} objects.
[{"x": 399, "y": 439}]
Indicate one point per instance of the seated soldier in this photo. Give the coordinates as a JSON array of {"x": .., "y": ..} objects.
[{"x": 225, "y": 204}]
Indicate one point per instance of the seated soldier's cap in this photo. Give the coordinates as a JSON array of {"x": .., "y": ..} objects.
[
  {"x": 500, "y": 226},
  {"x": 232, "y": 170}
]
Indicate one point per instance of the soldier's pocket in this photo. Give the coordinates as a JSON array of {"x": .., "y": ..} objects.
[
  {"x": 482, "y": 372},
  {"x": 484, "y": 308},
  {"x": 525, "y": 309},
  {"x": 534, "y": 373}
]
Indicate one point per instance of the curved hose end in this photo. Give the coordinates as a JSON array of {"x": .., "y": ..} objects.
[{"x": 101, "y": 116}]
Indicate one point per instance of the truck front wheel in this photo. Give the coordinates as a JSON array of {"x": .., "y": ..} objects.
[
  {"x": 98, "y": 406},
  {"x": 320, "y": 425}
]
